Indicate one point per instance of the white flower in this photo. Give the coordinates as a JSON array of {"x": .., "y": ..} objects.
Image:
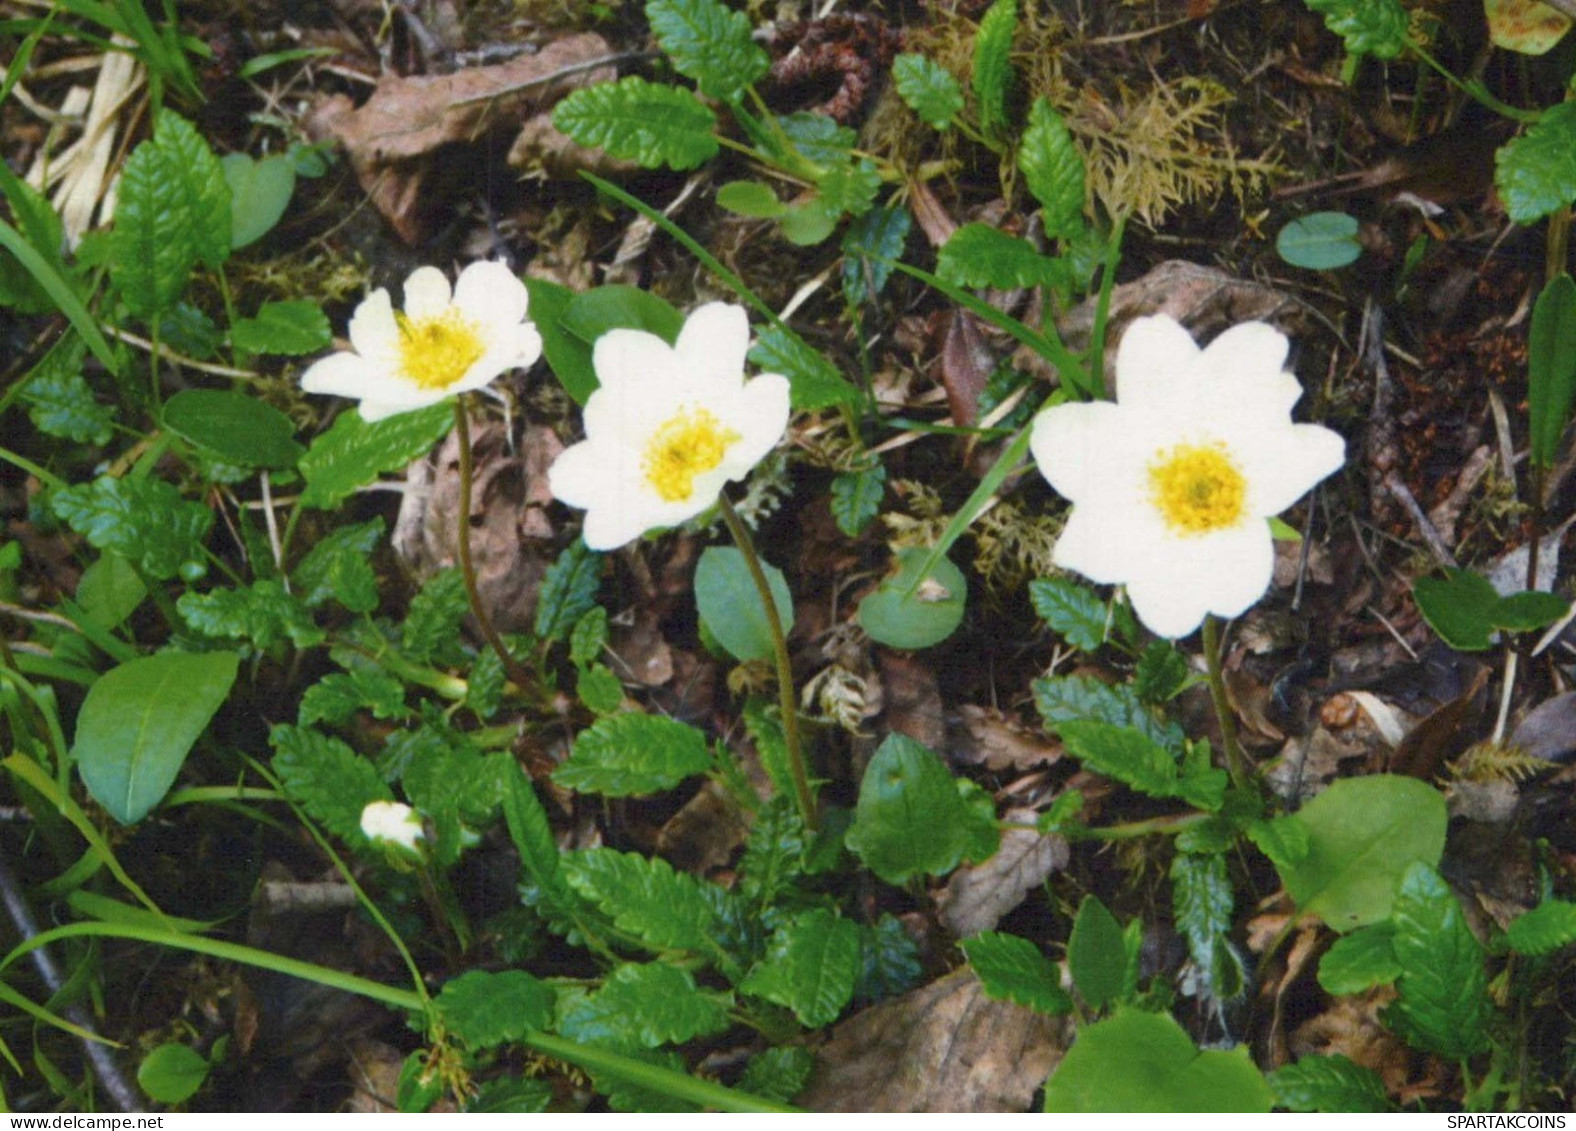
[
  {"x": 667, "y": 426},
  {"x": 389, "y": 822},
  {"x": 440, "y": 345},
  {"x": 1172, "y": 484}
]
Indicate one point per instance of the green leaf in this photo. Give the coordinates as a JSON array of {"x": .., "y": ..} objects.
[
  {"x": 1361, "y": 960},
  {"x": 1543, "y": 930},
  {"x": 870, "y": 246},
  {"x": 172, "y": 1073},
  {"x": 431, "y": 631},
  {"x": 454, "y": 784},
  {"x": 598, "y": 688},
  {"x": 145, "y": 521},
  {"x": 152, "y": 246},
  {"x": 589, "y": 636},
  {"x": 354, "y": 453},
  {"x": 630, "y": 755},
  {"x": 1202, "y": 901},
  {"x": 60, "y": 401},
  {"x": 110, "y": 590},
  {"x": 930, "y": 90},
  {"x": 810, "y": 223},
  {"x": 1160, "y": 674},
  {"x": 1071, "y": 609},
  {"x": 140, "y": 720},
  {"x": 814, "y": 382},
  {"x": 531, "y": 833},
  {"x": 1144, "y": 1062},
  {"x": 888, "y": 960},
  {"x": 993, "y": 65},
  {"x": 1013, "y": 969},
  {"x": 1331, "y": 1084},
  {"x": 1369, "y": 27},
  {"x": 1529, "y": 610},
  {"x": 505, "y": 1096},
  {"x": 635, "y": 120},
  {"x": 260, "y": 191},
  {"x": 327, "y": 778},
  {"x": 40, "y": 229},
  {"x": 292, "y": 328},
  {"x": 1096, "y": 957},
  {"x": 1460, "y": 608},
  {"x": 709, "y": 43},
  {"x": 200, "y": 181},
  {"x": 1536, "y": 172},
  {"x": 810, "y": 966},
  {"x": 618, "y": 306},
  {"x": 1053, "y": 170},
  {"x": 263, "y": 613},
  {"x": 778, "y": 1073},
  {"x": 646, "y": 1005},
  {"x": 44, "y": 273},
  {"x": 568, "y": 590},
  {"x": 645, "y": 897},
  {"x": 730, "y": 606},
  {"x": 774, "y": 855},
  {"x": 1363, "y": 835},
  {"x": 339, "y": 695},
  {"x": 234, "y": 427},
  {"x": 909, "y": 820},
  {"x": 1321, "y": 241},
  {"x": 856, "y": 498},
  {"x": 483, "y": 1009},
  {"x": 978, "y": 255},
  {"x": 338, "y": 568},
  {"x": 850, "y": 189},
  {"x": 567, "y": 356},
  {"x": 1132, "y": 757},
  {"x": 911, "y": 612},
  {"x": 750, "y": 198},
  {"x": 1285, "y": 843},
  {"x": 1442, "y": 1004},
  {"x": 1063, "y": 699}
]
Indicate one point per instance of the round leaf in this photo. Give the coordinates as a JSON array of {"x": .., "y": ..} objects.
[
  {"x": 750, "y": 198},
  {"x": 907, "y": 611},
  {"x": 172, "y": 1073},
  {"x": 910, "y": 819},
  {"x": 259, "y": 193},
  {"x": 730, "y": 604},
  {"x": 234, "y": 427},
  {"x": 1320, "y": 242}
]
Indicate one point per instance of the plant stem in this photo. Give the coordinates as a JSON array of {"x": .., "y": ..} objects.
[
  {"x": 1236, "y": 764},
  {"x": 517, "y": 674},
  {"x": 785, "y": 691}
]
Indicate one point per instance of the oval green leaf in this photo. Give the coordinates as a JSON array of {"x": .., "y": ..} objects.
[
  {"x": 1322, "y": 241},
  {"x": 730, "y": 605},
  {"x": 908, "y": 611},
  {"x": 910, "y": 819},
  {"x": 234, "y": 427},
  {"x": 750, "y": 198},
  {"x": 1551, "y": 367},
  {"x": 172, "y": 1073},
  {"x": 260, "y": 191}
]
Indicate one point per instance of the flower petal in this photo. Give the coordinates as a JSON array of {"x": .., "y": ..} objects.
[
  {"x": 1102, "y": 549},
  {"x": 1281, "y": 465},
  {"x": 1244, "y": 366},
  {"x": 345, "y": 375},
  {"x": 427, "y": 293},
  {"x": 527, "y": 345},
  {"x": 1222, "y": 573},
  {"x": 373, "y": 332},
  {"x": 490, "y": 294},
  {"x": 1151, "y": 354},
  {"x": 637, "y": 387},
  {"x": 712, "y": 345},
  {"x": 587, "y": 474},
  {"x": 759, "y": 415},
  {"x": 1079, "y": 447},
  {"x": 375, "y": 410}
]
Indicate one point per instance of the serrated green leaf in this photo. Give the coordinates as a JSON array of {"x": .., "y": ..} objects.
[
  {"x": 589, "y": 636},
  {"x": 978, "y": 255},
  {"x": 485, "y": 684},
  {"x": 568, "y": 590},
  {"x": 709, "y": 43},
  {"x": 140, "y": 721},
  {"x": 1321, "y": 241},
  {"x": 263, "y": 613},
  {"x": 1369, "y": 27},
  {"x": 200, "y": 181},
  {"x": 1329, "y": 1084},
  {"x": 1144, "y": 1062},
  {"x": 327, "y": 778},
  {"x": 645, "y": 897},
  {"x": 172, "y": 1073},
  {"x": 531, "y": 833},
  {"x": 1096, "y": 957},
  {"x": 1543, "y": 930},
  {"x": 1202, "y": 902},
  {"x": 871, "y": 245},
  {"x": 631, "y": 754},
  {"x": 856, "y": 498},
  {"x": 337, "y": 567},
  {"x": 992, "y": 73},
  {"x": 260, "y": 191},
  {"x": 503, "y": 1096},
  {"x": 1536, "y": 172},
  {"x": 1053, "y": 170},
  {"x": 930, "y": 90},
  {"x": 814, "y": 382},
  {"x": 888, "y": 960},
  {"x": 354, "y": 453},
  {"x": 431, "y": 631},
  {"x": 1132, "y": 757},
  {"x": 774, "y": 854},
  {"x": 59, "y": 400},
  {"x": 911, "y": 611},
  {"x": 1071, "y": 609},
  {"x": 1283, "y": 842},
  {"x": 817, "y": 137},
  {"x": 1013, "y": 969},
  {"x": 811, "y": 965},
  {"x": 152, "y": 245},
  {"x": 1063, "y": 699},
  {"x": 851, "y": 189},
  {"x": 1361, "y": 960},
  {"x": 339, "y": 695},
  {"x": 455, "y": 785},
  {"x": 292, "y": 328},
  {"x": 1442, "y": 1004},
  {"x": 145, "y": 521},
  {"x": 483, "y": 1008},
  {"x": 233, "y": 427},
  {"x": 1363, "y": 835},
  {"x": 778, "y": 1073},
  {"x": 909, "y": 820},
  {"x": 649, "y": 1005},
  {"x": 635, "y": 120},
  {"x": 1160, "y": 674},
  {"x": 730, "y": 606},
  {"x": 599, "y": 689}
]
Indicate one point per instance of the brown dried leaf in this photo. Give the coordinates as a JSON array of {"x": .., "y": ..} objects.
[
  {"x": 986, "y": 735},
  {"x": 1351, "y": 1027},
  {"x": 976, "y": 898},
  {"x": 912, "y": 698},
  {"x": 942, "y": 1047},
  {"x": 966, "y": 364},
  {"x": 1549, "y": 730},
  {"x": 1440, "y": 736},
  {"x": 703, "y": 835}
]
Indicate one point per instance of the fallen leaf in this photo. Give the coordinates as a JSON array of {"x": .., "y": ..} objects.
[
  {"x": 1525, "y": 26},
  {"x": 965, "y": 366},
  {"x": 942, "y": 1047},
  {"x": 1549, "y": 730},
  {"x": 976, "y": 898},
  {"x": 1307, "y": 764},
  {"x": 703, "y": 835},
  {"x": 1351, "y": 1027},
  {"x": 1441, "y": 735},
  {"x": 912, "y": 699},
  {"x": 985, "y": 735}
]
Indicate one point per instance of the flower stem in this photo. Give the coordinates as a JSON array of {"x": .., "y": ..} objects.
[
  {"x": 785, "y": 693},
  {"x": 517, "y": 674},
  {"x": 1236, "y": 764}
]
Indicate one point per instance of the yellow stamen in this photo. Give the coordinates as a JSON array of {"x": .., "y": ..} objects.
[
  {"x": 1197, "y": 488},
  {"x": 436, "y": 351},
  {"x": 691, "y": 443}
]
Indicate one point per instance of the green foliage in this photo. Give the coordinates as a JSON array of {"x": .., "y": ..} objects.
[
  {"x": 1551, "y": 368},
  {"x": 337, "y": 568},
  {"x": 458, "y": 788},
  {"x": 635, "y": 120},
  {"x": 1543, "y": 930},
  {"x": 598, "y": 688},
  {"x": 911, "y": 609},
  {"x": 644, "y": 897},
  {"x": 1160, "y": 674},
  {"x": 1053, "y": 170},
  {"x": 199, "y": 180},
  {"x": 60, "y": 401},
  {"x": 850, "y": 188},
  {"x": 589, "y": 636},
  {"x": 1321, "y": 241},
  {"x": 1369, "y": 27},
  {"x": 774, "y": 855},
  {"x": 568, "y": 590},
  {"x": 172, "y": 1073},
  {"x": 731, "y": 607},
  {"x": 1064, "y": 699},
  {"x": 39, "y": 229},
  {"x": 1096, "y": 957},
  {"x": 631, "y": 754},
  {"x": 260, "y": 191},
  {"x": 1360, "y": 960},
  {"x": 1011, "y": 968},
  {"x": 814, "y": 382},
  {"x": 1465, "y": 610},
  {"x": 327, "y": 778},
  {"x": 818, "y": 138},
  {"x": 1132, "y": 757},
  {"x": 888, "y": 960},
  {"x": 431, "y": 630},
  {"x": 263, "y": 613},
  {"x": 649, "y": 1005},
  {"x": 523, "y": 1096},
  {"x": 292, "y": 328},
  {"x": 1328, "y": 1084},
  {"x": 354, "y": 453},
  {"x": 145, "y": 521},
  {"x": 532, "y": 835},
  {"x": 871, "y": 245},
  {"x": 339, "y": 695},
  {"x": 992, "y": 72},
  {"x": 778, "y": 1073},
  {"x": 483, "y": 1009},
  {"x": 709, "y": 43},
  {"x": 909, "y": 820},
  {"x": 811, "y": 964},
  {"x": 856, "y": 498},
  {"x": 1072, "y": 610},
  {"x": 1536, "y": 172},
  {"x": 233, "y": 427},
  {"x": 750, "y": 198},
  {"x": 930, "y": 90},
  {"x": 1363, "y": 834},
  {"x": 109, "y": 592},
  {"x": 1202, "y": 902},
  {"x": 1442, "y": 1004},
  {"x": 1144, "y": 1062},
  {"x": 140, "y": 720}
]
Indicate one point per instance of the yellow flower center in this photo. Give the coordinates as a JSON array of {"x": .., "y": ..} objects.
[
  {"x": 1197, "y": 488},
  {"x": 435, "y": 352},
  {"x": 691, "y": 443}
]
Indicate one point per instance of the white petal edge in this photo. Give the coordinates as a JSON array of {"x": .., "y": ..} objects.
[
  {"x": 373, "y": 332},
  {"x": 1077, "y": 446},
  {"x": 1281, "y": 465},
  {"x": 760, "y": 417},
  {"x": 1151, "y": 354},
  {"x": 426, "y": 293},
  {"x": 1222, "y": 573},
  {"x": 712, "y": 345},
  {"x": 345, "y": 375},
  {"x": 490, "y": 294}
]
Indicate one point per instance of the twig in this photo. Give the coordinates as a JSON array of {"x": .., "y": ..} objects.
[
  {"x": 165, "y": 353},
  {"x": 1403, "y": 495}
]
